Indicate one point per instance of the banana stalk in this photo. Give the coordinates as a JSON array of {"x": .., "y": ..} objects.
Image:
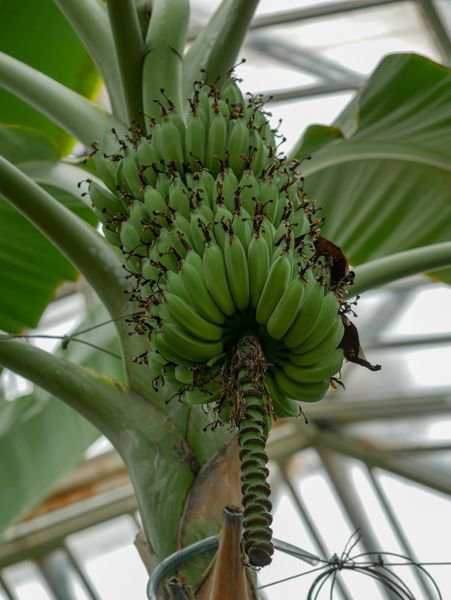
[{"x": 253, "y": 433}]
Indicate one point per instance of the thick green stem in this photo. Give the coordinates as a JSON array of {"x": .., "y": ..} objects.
[
  {"x": 60, "y": 175},
  {"x": 83, "y": 246},
  {"x": 89, "y": 20},
  {"x": 215, "y": 50},
  {"x": 66, "y": 177},
  {"x": 411, "y": 262},
  {"x": 129, "y": 48},
  {"x": 83, "y": 390},
  {"x": 71, "y": 111},
  {"x": 154, "y": 450},
  {"x": 163, "y": 63}
]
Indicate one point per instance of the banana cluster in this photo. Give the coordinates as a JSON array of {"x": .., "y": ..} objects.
[
  {"x": 221, "y": 130},
  {"x": 216, "y": 230},
  {"x": 255, "y": 289},
  {"x": 237, "y": 292}
]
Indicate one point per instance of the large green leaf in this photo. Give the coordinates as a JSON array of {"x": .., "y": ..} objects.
[
  {"x": 30, "y": 267},
  {"x": 38, "y": 34},
  {"x": 42, "y": 439},
  {"x": 386, "y": 187}
]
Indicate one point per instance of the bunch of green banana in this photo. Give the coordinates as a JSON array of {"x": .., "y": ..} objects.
[
  {"x": 226, "y": 288},
  {"x": 221, "y": 242},
  {"x": 213, "y": 225}
]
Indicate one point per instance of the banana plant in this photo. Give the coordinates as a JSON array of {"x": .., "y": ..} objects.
[{"x": 223, "y": 264}]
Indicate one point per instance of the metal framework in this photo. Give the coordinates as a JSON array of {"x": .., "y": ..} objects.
[{"x": 42, "y": 538}]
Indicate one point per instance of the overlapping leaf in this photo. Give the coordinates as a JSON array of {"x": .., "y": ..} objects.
[
  {"x": 31, "y": 269},
  {"x": 386, "y": 187},
  {"x": 41, "y": 438},
  {"x": 38, "y": 34}
]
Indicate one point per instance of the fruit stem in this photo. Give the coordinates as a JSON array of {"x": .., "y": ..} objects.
[{"x": 250, "y": 365}]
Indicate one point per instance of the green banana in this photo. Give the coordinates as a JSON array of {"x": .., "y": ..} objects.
[
  {"x": 112, "y": 236},
  {"x": 241, "y": 225},
  {"x": 148, "y": 159},
  {"x": 238, "y": 146},
  {"x": 196, "y": 396},
  {"x": 215, "y": 277},
  {"x": 106, "y": 169},
  {"x": 207, "y": 213},
  {"x": 269, "y": 195},
  {"x": 201, "y": 299},
  {"x": 164, "y": 250},
  {"x": 130, "y": 173},
  {"x": 281, "y": 404},
  {"x": 192, "y": 258},
  {"x": 267, "y": 231},
  {"x": 130, "y": 237},
  {"x": 169, "y": 141},
  {"x": 306, "y": 318},
  {"x": 237, "y": 271},
  {"x": 260, "y": 153},
  {"x": 183, "y": 226},
  {"x": 163, "y": 183},
  {"x": 286, "y": 309},
  {"x": 156, "y": 206},
  {"x": 328, "y": 366},
  {"x": 190, "y": 320},
  {"x": 229, "y": 188},
  {"x": 195, "y": 139},
  {"x": 208, "y": 184},
  {"x": 258, "y": 263},
  {"x": 216, "y": 143},
  {"x": 204, "y": 101},
  {"x": 160, "y": 344},
  {"x": 188, "y": 347},
  {"x": 303, "y": 392},
  {"x": 133, "y": 264},
  {"x": 107, "y": 204},
  {"x": 183, "y": 375},
  {"x": 274, "y": 287},
  {"x": 140, "y": 218},
  {"x": 197, "y": 228},
  {"x": 179, "y": 198},
  {"x": 223, "y": 218},
  {"x": 232, "y": 93},
  {"x": 174, "y": 285},
  {"x": 327, "y": 315},
  {"x": 327, "y": 345},
  {"x": 156, "y": 363},
  {"x": 149, "y": 271},
  {"x": 279, "y": 208},
  {"x": 249, "y": 191}
]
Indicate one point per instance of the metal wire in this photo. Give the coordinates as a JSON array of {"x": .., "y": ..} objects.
[
  {"x": 309, "y": 523},
  {"x": 377, "y": 569},
  {"x": 67, "y": 339},
  {"x": 169, "y": 565},
  {"x": 375, "y": 565},
  {"x": 396, "y": 526}
]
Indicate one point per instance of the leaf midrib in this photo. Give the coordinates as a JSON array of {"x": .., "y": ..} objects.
[{"x": 352, "y": 151}]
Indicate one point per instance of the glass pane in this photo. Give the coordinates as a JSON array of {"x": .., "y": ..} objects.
[
  {"x": 427, "y": 313},
  {"x": 108, "y": 557},
  {"x": 422, "y": 514},
  {"x": 26, "y": 582}
]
